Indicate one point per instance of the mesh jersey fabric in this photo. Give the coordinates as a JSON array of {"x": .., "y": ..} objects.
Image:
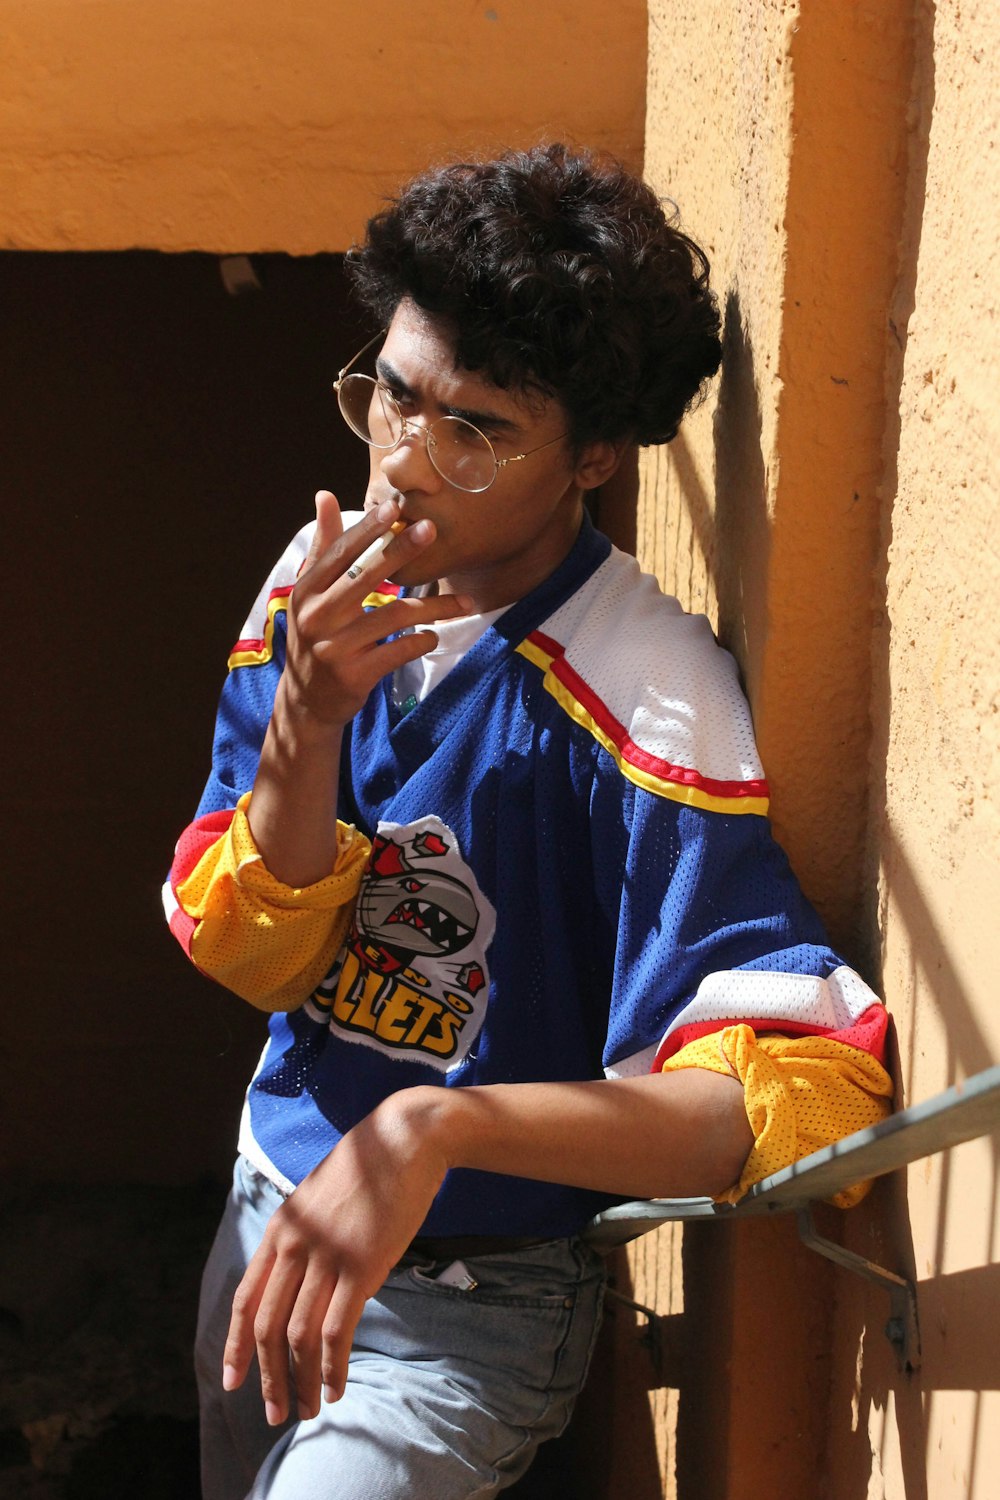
[
  {"x": 801, "y": 1093},
  {"x": 563, "y": 856}
]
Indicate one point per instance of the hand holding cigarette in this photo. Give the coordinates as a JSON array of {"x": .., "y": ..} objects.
[{"x": 376, "y": 549}]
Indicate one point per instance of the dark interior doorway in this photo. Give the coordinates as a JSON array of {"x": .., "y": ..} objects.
[{"x": 162, "y": 439}]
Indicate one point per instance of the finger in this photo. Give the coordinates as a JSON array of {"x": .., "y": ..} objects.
[
  {"x": 364, "y": 631},
  {"x": 391, "y": 548},
  {"x": 240, "y": 1342},
  {"x": 382, "y": 660},
  {"x": 406, "y": 543},
  {"x": 372, "y": 561},
  {"x": 270, "y": 1329},
  {"x": 305, "y": 1328},
  {"x": 345, "y": 549},
  {"x": 346, "y": 1306},
  {"x": 329, "y": 525}
]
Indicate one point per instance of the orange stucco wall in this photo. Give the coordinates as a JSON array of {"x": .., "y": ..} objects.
[
  {"x": 241, "y": 125},
  {"x": 833, "y": 507},
  {"x": 936, "y": 757}
]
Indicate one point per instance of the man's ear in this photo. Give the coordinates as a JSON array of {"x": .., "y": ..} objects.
[{"x": 598, "y": 461}]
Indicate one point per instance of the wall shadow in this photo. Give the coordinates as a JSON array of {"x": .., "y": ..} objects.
[
  {"x": 609, "y": 1448},
  {"x": 613, "y": 506},
  {"x": 697, "y": 505},
  {"x": 865, "y": 1368},
  {"x": 742, "y": 529}
]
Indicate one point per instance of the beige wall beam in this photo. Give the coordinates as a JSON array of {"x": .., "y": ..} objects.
[{"x": 242, "y": 125}]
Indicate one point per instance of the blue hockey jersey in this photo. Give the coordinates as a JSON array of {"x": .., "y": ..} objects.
[{"x": 571, "y": 873}]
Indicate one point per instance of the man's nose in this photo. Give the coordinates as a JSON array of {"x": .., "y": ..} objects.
[{"x": 408, "y": 466}]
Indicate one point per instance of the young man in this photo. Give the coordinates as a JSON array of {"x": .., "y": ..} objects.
[{"x": 490, "y": 840}]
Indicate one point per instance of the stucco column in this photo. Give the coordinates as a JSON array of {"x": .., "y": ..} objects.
[{"x": 781, "y": 132}]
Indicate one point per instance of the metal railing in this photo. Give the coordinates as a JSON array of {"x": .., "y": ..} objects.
[{"x": 962, "y": 1113}]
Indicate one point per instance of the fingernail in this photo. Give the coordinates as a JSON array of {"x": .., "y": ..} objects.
[
  {"x": 272, "y": 1412},
  {"x": 387, "y": 510},
  {"x": 329, "y": 1394},
  {"x": 305, "y": 1414},
  {"x": 230, "y": 1377},
  {"x": 464, "y": 602}
]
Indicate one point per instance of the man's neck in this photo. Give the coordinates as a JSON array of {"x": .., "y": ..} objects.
[{"x": 498, "y": 588}]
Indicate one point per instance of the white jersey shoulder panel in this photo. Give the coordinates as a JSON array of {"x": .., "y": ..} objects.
[{"x": 653, "y": 683}]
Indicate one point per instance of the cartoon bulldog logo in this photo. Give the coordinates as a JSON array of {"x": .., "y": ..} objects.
[{"x": 413, "y": 980}]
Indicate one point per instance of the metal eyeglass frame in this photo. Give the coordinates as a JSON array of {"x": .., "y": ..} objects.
[{"x": 408, "y": 426}]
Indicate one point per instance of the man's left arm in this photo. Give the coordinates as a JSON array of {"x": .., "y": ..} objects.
[
  {"x": 332, "y": 1244},
  {"x": 723, "y": 937}
]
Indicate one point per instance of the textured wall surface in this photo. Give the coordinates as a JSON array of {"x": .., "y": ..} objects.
[
  {"x": 719, "y": 106},
  {"x": 833, "y": 508},
  {"x": 936, "y": 760},
  {"x": 717, "y": 141},
  {"x": 717, "y": 144},
  {"x": 216, "y": 125},
  {"x": 787, "y": 166}
]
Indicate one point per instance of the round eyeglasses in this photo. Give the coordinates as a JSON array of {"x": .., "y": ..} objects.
[{"x": 459, "y": 451}]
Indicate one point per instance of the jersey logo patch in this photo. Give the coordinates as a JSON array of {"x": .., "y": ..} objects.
[{"x": 412, "y": 980}]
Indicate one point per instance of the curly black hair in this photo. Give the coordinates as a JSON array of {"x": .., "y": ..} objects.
[{"x": 558, "y": 273}]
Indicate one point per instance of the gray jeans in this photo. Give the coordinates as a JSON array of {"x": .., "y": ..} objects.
[{"x": 449, "y": 1390}]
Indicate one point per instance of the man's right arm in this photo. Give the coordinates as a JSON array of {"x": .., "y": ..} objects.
[
  {"x": 262, "y": 883},
  {"x": 336, "y": 654}
]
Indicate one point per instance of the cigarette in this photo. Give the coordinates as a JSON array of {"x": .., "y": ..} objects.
[{"x": 376, "y": 549}]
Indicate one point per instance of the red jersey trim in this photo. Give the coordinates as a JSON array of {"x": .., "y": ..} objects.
[
  {"x": 198, "y": 837},
  {"x": 635, "y": 755},
  {"x": 868, "y": 1033},
  {"x": 256, "y": 651}
]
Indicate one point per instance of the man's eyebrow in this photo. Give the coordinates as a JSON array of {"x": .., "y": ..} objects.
[{"x": 387, "y": 371}]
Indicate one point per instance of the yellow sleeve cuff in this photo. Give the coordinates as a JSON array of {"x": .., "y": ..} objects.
[
  {"x": 801, "y": 1093},
  {"x": 270, "y": 943}
]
